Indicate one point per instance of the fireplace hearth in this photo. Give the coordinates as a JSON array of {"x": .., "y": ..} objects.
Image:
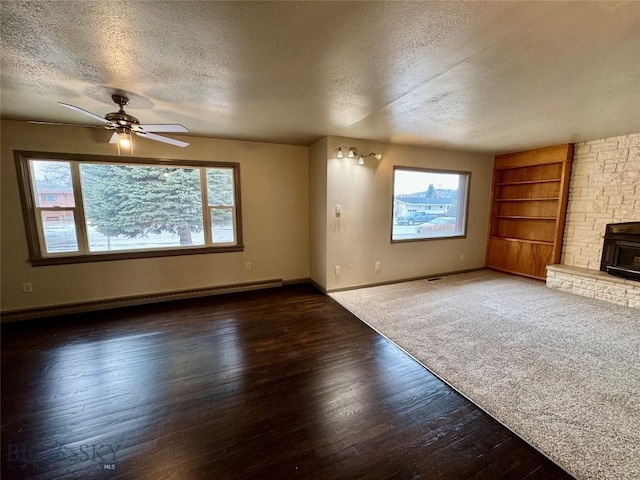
[{"x": 621, "y": 250}]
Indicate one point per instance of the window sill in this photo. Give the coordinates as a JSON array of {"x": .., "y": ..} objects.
[
  {"x": 103, "y": 257},
  {"x": 421, "y": 239}
]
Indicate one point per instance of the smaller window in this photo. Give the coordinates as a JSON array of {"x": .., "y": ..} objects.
[{"x": 429, "y": 204}]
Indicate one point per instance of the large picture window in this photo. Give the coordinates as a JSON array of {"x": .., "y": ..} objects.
[
  {"x": 429, "y": 204},
  {"x": 86, "y": 208}
]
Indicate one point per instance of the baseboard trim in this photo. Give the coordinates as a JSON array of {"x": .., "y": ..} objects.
[
  {"x": 318, "y": 286},
  {"x": 296, "y": 281},
  {"x": 390, "y": 282},
  {"x": 66, "y": 309}
]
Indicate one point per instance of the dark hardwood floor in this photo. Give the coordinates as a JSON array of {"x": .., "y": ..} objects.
[{"x": 271, "y": 384}]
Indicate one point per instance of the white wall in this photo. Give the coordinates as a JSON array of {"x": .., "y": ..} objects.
[
  {"x": 361, "y": 235},
  {"x": 275, "y": 212},
  {"x": 604, "y": 188}
]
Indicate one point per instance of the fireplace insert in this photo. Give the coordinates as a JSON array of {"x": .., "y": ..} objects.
[{"x": 621, "y": 250}]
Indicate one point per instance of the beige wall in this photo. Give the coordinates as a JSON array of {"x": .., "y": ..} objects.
[
  {"x": 290, "y": 228},
  {"x": 318, "y": 212},
  {"x": 275, "y": 210},
  {"x": 604, "y": 188},
  {"x": 361, "y": 235}
]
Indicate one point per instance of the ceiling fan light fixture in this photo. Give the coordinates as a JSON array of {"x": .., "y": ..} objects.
[{"x": 124, "y": 140}]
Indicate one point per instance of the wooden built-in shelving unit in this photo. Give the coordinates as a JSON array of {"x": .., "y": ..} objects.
[{"x": 529, "y": 206}]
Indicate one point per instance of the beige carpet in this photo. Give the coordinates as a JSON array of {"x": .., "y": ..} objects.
[{"x": 560, "y": 370}]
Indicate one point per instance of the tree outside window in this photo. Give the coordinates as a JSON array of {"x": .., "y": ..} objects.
[{"x": 129, "y": 205}]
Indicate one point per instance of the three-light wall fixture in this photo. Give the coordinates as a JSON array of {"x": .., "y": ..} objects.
[{"x": 353, "y": 153}]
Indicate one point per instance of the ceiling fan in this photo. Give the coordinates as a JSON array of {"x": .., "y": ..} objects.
[{"x": 125, "y": 124}]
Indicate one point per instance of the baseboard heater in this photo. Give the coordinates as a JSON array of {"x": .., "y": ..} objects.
[{"x": 55, "y": 310}]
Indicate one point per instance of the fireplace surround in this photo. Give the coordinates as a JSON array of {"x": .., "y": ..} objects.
[{"x": 621, "y": 250}]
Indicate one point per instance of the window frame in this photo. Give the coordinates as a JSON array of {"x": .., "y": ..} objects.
[
  {"x": 465, "y": 216},
  {"x": 35, "y": 235}
]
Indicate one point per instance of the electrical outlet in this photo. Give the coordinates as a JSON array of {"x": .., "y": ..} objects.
[
  {"x": 248, "y": 266},
  {"x": 27, "y": 287},
  {"x": 377, "y": 267},
  {"x": 461, "y": 256},
  {"x": 337, "y": 269}
]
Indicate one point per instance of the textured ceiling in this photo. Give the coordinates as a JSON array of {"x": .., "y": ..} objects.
[{"x": 479, "y": 76}]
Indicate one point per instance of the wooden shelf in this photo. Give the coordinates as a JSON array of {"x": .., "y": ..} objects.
[
  {"x": 522, "y": 240},
  {"x": 526, "y": 231},
  {"x": 547, "y": 199},
  {"x": 528, "y": 182},
  {"x": 523, "y": 217}
]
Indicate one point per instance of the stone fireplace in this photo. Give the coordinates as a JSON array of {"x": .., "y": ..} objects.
[{"x": 604, "y": 190}]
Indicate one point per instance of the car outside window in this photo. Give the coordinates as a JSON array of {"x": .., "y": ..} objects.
[{"x": 429, "y": 204}]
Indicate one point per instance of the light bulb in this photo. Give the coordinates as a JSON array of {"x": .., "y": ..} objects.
[{"x": 124, "y": 140}]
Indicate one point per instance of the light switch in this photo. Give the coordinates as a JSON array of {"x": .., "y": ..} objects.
[{"x": 338, "y": 210}]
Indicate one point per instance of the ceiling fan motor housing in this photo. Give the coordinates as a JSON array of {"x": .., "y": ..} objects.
[{"x": 121, "y": 117}]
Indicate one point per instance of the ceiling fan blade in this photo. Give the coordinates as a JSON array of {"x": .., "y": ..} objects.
[
  {"x": 84, "y": 112},
  {"x": 160, "y": 127},
  {"x": 38, "y": 122},
  {"x": 160, "y": 138},
  {"x": 114, "y": 138}
]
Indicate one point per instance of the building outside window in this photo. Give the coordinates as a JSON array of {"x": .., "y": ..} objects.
[{"x": 429, "y": 204}]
